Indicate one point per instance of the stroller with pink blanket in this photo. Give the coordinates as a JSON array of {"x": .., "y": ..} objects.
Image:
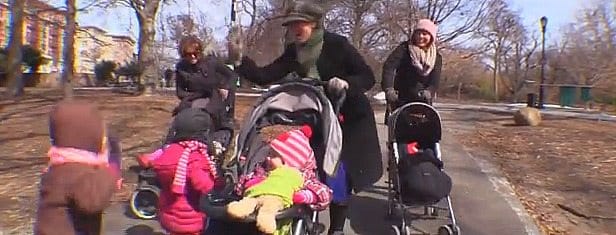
[{"x": 294, "y": 103}]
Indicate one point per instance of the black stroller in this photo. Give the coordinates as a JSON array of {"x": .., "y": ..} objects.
[
  {"x": 296, "y": 102},
  {"x": 143, "y": 201},
  {"x": 417, "y": 123}
]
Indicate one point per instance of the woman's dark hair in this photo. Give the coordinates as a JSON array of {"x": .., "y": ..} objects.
[{"x": 190, "y": 44}]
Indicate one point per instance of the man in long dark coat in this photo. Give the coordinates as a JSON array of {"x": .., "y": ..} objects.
[{"x": 315, "y": 53}]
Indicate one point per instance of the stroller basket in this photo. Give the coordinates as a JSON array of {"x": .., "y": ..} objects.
[{"x": 215, "y": 207}]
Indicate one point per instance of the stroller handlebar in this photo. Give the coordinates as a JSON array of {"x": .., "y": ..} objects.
[{"x": 337, "y": 99}]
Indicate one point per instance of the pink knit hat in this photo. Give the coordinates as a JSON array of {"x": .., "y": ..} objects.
[
  {"x": 294, "y": 147},
  {"x": 428, "y": 26}
]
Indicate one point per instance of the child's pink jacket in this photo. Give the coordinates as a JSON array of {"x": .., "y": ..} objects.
[{"x": 179, "y": 213}]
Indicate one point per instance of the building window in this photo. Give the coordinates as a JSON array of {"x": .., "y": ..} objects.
[
  {"x": 6, "y": 26},
  {"x": 44, "y": 39},
  {"x": 2, "y": 16},
  {"x": 3, "y": 32},
  {"x": 30, "y": 33},
  {"x": 54, "y": 43}
]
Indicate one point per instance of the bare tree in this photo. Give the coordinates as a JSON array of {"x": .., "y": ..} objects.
[
  {"x": 519, "y": 63},
  {"x": 465, "y": 16},
  {"x": 499, "y": 31},
  {"x": 146, "y": 12},
  {"x": 462, "y": 72},
  {"x": 14, "y": 72},
  {"x": 68, "y": 54},
  {"x": 185, "y": 25},
  {"x": 462, "y": 17},
  {"x": 590, "y": 46},
  {"x": 357, "y": 20}
]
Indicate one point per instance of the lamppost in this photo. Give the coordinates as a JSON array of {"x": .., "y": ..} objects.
[{"x": 543, "y": 21}]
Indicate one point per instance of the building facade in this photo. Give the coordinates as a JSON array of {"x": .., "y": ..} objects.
[
  {"x": 93, "y": 45},
  {"x": 44, "y": 30}
]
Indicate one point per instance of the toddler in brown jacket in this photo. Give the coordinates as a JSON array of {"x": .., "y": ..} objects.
[{"x": 78, "y": 183}]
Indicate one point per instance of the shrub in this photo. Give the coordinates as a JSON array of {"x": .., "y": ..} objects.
[{"x": 104, "y": 71}]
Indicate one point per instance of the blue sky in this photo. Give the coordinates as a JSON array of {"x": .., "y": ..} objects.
[
  {"x": 122, "y": 21},
  {"x": 558, "y": 12}
]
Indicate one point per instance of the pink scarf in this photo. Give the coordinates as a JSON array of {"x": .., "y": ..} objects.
[
  {"x": 181, "y": 170},
  {"x": 60, "y": 155}
]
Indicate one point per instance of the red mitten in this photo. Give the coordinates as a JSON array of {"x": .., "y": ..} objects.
[
  {"x": 411, "y": 148},
  {"x": 304, "y": 197}
]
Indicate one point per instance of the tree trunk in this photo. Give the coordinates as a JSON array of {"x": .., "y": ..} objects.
[
  {"x": 14, "y": 60},
  {"x": 459, "y": 91},
  {"x": 495, "y": 73},
  {"x": 149, "y": 71},
  {"x": 68, "y": 70},
  {"x": 253, "y": 16},
  {"x": 356, "y": 34}
]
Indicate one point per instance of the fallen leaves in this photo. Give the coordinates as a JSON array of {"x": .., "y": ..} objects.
[
  {"x": 561, "y": 162},
  {"x": 140, "y": 122}
]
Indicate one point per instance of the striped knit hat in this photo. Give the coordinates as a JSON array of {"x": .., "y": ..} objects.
[{"x": 294, "y": 147}]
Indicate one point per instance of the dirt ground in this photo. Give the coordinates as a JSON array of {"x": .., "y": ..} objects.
[
  {"x": 563, "y": 171},
  {"x": 24, "y": 138}
]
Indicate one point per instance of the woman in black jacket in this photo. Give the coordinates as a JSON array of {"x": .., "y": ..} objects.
[
  {"x": 199, "y": 76},
  {"x": 319, "y": 54},
  {"x": 412, "y": 71},
  {"x": 206, "y": 82}
]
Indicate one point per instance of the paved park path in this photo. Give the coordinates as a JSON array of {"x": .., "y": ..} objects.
[{"x": 483, "y": 201}]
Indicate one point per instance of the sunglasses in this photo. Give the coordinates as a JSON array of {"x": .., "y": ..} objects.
[{"x": 190, "y": 54}]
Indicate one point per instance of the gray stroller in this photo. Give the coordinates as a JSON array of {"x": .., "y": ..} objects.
[
  {"x": 417, "y": 125},
  {"x": 296, "y": 102}
]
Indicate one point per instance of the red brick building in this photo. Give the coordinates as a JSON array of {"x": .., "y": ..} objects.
[{"x": 43, "y": 29}]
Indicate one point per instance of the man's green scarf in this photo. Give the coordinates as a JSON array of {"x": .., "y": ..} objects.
[{"x": 308, "y": 53}]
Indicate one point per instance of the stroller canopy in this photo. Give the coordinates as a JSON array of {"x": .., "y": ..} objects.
[
  {"x": 415, "y": 122},
  {"x": 293, "y": 97}
]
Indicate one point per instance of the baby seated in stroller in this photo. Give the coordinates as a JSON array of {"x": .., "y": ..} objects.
[{"x": 287, "y": 177}]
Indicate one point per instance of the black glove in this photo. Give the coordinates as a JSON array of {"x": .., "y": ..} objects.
[
  {"x": 391, "y": 95},
  {"x": 425, "y": 94},
  {"x": 335, "y": 85}
]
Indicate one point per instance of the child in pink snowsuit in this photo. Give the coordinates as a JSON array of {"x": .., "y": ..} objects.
[{"x": 185, "y": 172}]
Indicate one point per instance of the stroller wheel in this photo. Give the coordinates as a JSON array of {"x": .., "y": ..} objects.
[
  {"x": 449, "y": 230},
  {"x": 390, "y": 210},
  {"x": 144, "y": 202},
  {"x": 395, "y": 230},
  {"x": 456, "y": 230},
  {"x": 430, "y": 211},
  {"x": 407, "y": 230}
]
